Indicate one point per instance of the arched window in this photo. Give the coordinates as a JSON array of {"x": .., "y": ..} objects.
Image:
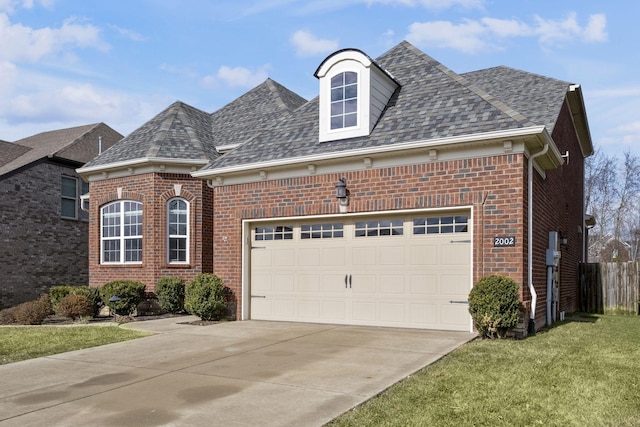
[
  {"x": 121, "y": 232},
  {"x": 177, "y": 231},
  {"x": 344, "y": 100}
]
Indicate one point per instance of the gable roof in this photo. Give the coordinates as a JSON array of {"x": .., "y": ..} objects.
[
  {"x": 10, "y": 151},
  {"x": 184, "y": 133},
  {"x": 537, "y": 97},
  {"x": 432, "y": 104},
  {"x": 61, "y": 144}
]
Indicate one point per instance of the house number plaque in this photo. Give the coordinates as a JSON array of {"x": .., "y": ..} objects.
[{"x": 504, "y": 241}]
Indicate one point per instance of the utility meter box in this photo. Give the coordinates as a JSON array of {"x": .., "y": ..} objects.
[{"x": 553, "y": 257}]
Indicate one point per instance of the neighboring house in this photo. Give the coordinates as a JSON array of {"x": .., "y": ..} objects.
[
  {"x": 609, "y": 248},
  {"x": 44, "y": 233},
  {"x": 379, "y": 202}
]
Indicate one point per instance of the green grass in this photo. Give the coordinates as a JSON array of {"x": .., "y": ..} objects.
[
  {"x": 26, "y": 342},
  {"x": 576, "y": 374}
]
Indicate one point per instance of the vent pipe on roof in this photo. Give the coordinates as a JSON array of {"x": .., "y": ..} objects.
[{"x": 99, "y": 145}]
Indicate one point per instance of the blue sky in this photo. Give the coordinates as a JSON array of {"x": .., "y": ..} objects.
[{"x": 72, "y": 62}]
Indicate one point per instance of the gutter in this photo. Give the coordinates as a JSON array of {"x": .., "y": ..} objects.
[{"x": 534, "y": 296}]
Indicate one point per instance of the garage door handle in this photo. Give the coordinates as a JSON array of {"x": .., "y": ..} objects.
[
  {"x": 349, "y": 281},
  {"x": 345, "y": 280},
  {"x": 459, "y": 302}
]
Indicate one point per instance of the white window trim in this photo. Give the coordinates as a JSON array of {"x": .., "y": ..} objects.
[
  {"x": 122, "y": 238},
  {"x": 187, "y": 237},
  {"x": 75, "y": 198}
]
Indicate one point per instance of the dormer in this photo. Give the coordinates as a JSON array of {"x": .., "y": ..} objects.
[{"x": 354, "y": 91}]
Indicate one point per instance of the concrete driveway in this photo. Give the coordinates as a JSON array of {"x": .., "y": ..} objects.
[{"x": 230, "y": 374}]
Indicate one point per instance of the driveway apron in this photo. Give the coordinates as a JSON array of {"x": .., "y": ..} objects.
[{"x": 231, "y": 374}]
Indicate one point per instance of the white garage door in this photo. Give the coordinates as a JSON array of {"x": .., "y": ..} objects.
[{"x": 410, "y": 271}]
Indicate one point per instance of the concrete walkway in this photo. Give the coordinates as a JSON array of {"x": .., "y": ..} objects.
[{"x": 247, "y": 373}]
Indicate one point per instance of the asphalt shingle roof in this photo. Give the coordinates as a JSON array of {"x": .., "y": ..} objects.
[
  {"x": 537, "y": 97},
  {"x": 184, "y": 132},
  {"x": 432, "y": 102},
  {"x": 50, "y": 143}
]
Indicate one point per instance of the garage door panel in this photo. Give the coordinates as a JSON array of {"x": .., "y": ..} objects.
[
  {"x": 424, "y": 314},
  {"x": 424, "y": 284},
  {"x": 423, "y": 255},
  {"x": 333, "y": 257},
  {"x": 391, "y": 255},
  {"x": 363, "y": 255},
  {"x": 284, "y": 257},
  {"x": 407, "y": 278},
  {"x": 309, "y": 257},
  {"x": 391, "y": 284},
  {"x": 283, "y": 282}
]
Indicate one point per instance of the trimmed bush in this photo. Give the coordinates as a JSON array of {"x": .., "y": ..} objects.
[
  {"x": 204, "y": 297},
  {"x": 75, "y": 306},
  {"x": 129, "y": 292},
  {"x": 494, "y": 306},
  {"x": 56, "y": 293},
  {"x": 33, "y": 312},
  {"x": 7, "y": 316},
  {"x": 170, "y": 292}
]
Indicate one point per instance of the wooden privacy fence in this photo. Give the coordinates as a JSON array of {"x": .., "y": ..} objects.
[{"x": 610, "y": 288}]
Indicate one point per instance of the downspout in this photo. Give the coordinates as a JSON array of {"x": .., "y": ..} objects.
[{"x": 534, "y": 297}]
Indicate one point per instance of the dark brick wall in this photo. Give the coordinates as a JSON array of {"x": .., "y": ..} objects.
[{"x": 38, "y": 249}]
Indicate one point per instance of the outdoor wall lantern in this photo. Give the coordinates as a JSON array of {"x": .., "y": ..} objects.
[{"x": 342, "y": 194}]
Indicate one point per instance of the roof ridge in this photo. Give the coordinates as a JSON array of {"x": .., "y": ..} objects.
[{"x": 500, "y": 105}]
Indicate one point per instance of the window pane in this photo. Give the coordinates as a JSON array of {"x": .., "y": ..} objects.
[
  {"x": 350, "y": 92},
  {"x": 337, "y": 80},
  {"x": 350, "y": 120},
  {"x": 337, "y": 94},
  {"x": 85, "y": 187},
  {"x": 350, "y": 77},
  {"x": 68, "y": 208},
  {"x": 336, "y": 108},
  {"x": 69, "y": 187},
  {"x": 336, "y": 122},
  {"x": 111, "y": 251},
  {"x": 351, "y": 106}
]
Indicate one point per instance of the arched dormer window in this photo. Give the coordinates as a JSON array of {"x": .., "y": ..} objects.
[
  {"x": 344, "y": 100},
  {"x": 177, "y": 231},
  {"x": 354, "y": 91}
]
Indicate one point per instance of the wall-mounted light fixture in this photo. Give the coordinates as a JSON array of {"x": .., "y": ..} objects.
[
  {"x": 342, "y": 194},
  {"x": 562, "y": 239}
]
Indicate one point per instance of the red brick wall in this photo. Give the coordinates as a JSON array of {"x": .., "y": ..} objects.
[
  {"x": 153, "y": 190},
  {"x": 498, "y": 181}
]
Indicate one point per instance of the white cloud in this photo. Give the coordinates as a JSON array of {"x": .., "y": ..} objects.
[
  {"x": 237, "y": 77},
  {"x": 8, "y": 75},
  {"x": 24, "y": 44},
  {"x": 472, "y": 36},
  {"x": 10, "y": 6},
  {"x": 130, "y": 34},
  {"x": 306, "y": 44},
  {"x": 430, "y": 4},
  {"x": 465, "y": 37}
]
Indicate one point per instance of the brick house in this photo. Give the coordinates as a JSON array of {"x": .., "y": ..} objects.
[
  {"x": 44, "y": 232},
  {"x": 379, "y": 202}
]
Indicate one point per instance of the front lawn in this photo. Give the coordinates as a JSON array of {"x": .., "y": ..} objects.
[
  {"x": 583, "y": 372},
  {"x": 26, "y": 342}
]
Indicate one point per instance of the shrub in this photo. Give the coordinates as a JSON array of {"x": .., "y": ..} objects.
[
  {"x": 204, "y": 297},
  {"x": 56, "y": 293},
  {"x": 75, "y": 306},
  {"x": 92, "y": 295},
  {"x": 129, "y": 292},
  {"x": 494, "y": 306},
  {"x": 170, "y": 293},
  {"x": 7, "y": 316},
  {"x": 33, "y": 312}
]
